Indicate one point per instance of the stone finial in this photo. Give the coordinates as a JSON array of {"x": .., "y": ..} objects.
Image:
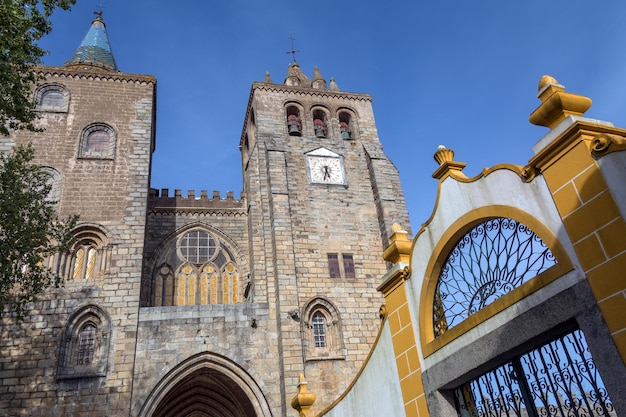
[
  {"x": 267, "y": 79},
  {"x": 556, "y": 104},
  {"x": 303, "y": 401},
  {"x": 318, "y": 81},
  {"x": 447, "y": 164},
  {"x": 295, "y": 76},
  {"x": 333, "y": 85},
  {"x": 443, "y": 154},
  {"x": 400, "y": 248}
]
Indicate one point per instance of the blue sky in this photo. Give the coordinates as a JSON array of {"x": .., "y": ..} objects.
[{"x": 454, "y": 72}]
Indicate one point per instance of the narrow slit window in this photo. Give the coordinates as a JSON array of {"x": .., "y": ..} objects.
[
  {"x": 348, "y": 266},
  {"x": 333, "y": 265}
]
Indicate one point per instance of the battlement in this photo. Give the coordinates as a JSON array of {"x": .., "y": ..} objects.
[{"x": 160, "y": 200}]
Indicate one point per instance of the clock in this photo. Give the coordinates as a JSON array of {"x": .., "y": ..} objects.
[{"x": 325, "y": 167}]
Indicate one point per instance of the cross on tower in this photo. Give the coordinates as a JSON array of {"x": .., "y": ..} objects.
[{"x": 292, "y": 52}]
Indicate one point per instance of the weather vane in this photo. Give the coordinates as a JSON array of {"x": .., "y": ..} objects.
[
  {"x": 99, "y": 13},
  {"x": 292, "y": 52}
]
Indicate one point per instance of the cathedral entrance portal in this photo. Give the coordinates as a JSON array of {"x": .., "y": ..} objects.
[{"x": 206, "y": 385}]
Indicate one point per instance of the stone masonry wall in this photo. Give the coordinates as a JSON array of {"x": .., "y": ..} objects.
[{"x": 111, "y": 194}]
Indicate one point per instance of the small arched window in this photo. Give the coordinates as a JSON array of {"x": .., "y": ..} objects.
[
  {"x": 52, "y": 97},
  {"x": 97, "y": 141},
  {"x": 54, "y": 180},
  {"x": 490, "y": 260},
  {"x": 294, "y": 124},
  {"x": 89, "y": 256}
]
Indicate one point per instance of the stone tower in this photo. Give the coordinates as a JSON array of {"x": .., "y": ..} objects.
[
  {"x": 201, "y": 305},
  {"x": 74, "y": 353},
  {"x": 322, "y": 197}
]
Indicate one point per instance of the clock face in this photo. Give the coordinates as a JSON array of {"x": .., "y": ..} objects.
[{"x": 325, "y": 170}]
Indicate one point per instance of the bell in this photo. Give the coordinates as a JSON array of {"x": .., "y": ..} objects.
[
  {"x": 345, "y": 134},
  {"x": 294, "y": 130},
  {"x": 319, "y": 133}
]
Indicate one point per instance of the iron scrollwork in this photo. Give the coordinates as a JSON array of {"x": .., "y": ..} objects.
[
  {"x": 557, "y": 379},
  {"x": 490, "y": 260}
]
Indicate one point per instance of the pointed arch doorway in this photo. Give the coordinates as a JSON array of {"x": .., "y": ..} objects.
[{"x": 206, "y": 385}]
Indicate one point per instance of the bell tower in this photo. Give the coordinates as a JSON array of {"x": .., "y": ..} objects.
[{"x": 322, "y": 197}]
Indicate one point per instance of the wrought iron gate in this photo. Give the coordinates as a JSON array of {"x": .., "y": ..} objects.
[{"x": 556, "y": 379}]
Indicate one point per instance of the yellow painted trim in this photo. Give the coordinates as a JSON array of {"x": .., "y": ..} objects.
[
  {"x": 358, "y": 374},
  {"x": 460, "y": 177},
  {"x": 604, "y": 144},
  {"x": 394, "y": 281},
  {"x": 444, "y": 246},
  {"x": 518, "y": 169},
  {"x": 579, "y": 130}
]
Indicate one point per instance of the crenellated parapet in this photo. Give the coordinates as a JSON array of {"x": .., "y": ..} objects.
[{"x": 160, "y": 201}]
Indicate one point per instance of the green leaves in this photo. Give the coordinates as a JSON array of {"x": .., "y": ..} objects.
[
  {"x": 22, "y": 24},
  {"x": 30, "y": 231}
]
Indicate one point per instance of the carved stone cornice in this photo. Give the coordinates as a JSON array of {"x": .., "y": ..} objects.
[
  {"x": 307, "y": 91},
  {"x": 187, "y": 212},
  {"x": 95, "y": 75}
]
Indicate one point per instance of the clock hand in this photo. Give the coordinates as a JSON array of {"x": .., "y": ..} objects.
[{"x": 326, "y": 172}]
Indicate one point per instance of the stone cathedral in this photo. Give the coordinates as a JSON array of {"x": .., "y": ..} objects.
[
  {"x": 200, "y": 305},
  {"x": 307, "y": 295}
]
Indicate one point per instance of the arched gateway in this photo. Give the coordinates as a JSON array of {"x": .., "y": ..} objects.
[{"x": 206, "y": 385}]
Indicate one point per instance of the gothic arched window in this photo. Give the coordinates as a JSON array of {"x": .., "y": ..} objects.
[
  {"x": 490, "y": 260},
  {"x": 194, "y": 269},
  {"x": 322, "y": 330},
  {"x": 84, "y": 348}
]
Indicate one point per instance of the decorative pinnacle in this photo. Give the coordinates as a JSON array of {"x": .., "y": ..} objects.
[
  {"x": 293, "y": 51},
  {"x": 443, "y": 154},
  {"x": 399, "y": 249},
  {"x": 303, "y": 401},
  {"x": 447, "y": 164},
  {"x": 557, "y": 104}
]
